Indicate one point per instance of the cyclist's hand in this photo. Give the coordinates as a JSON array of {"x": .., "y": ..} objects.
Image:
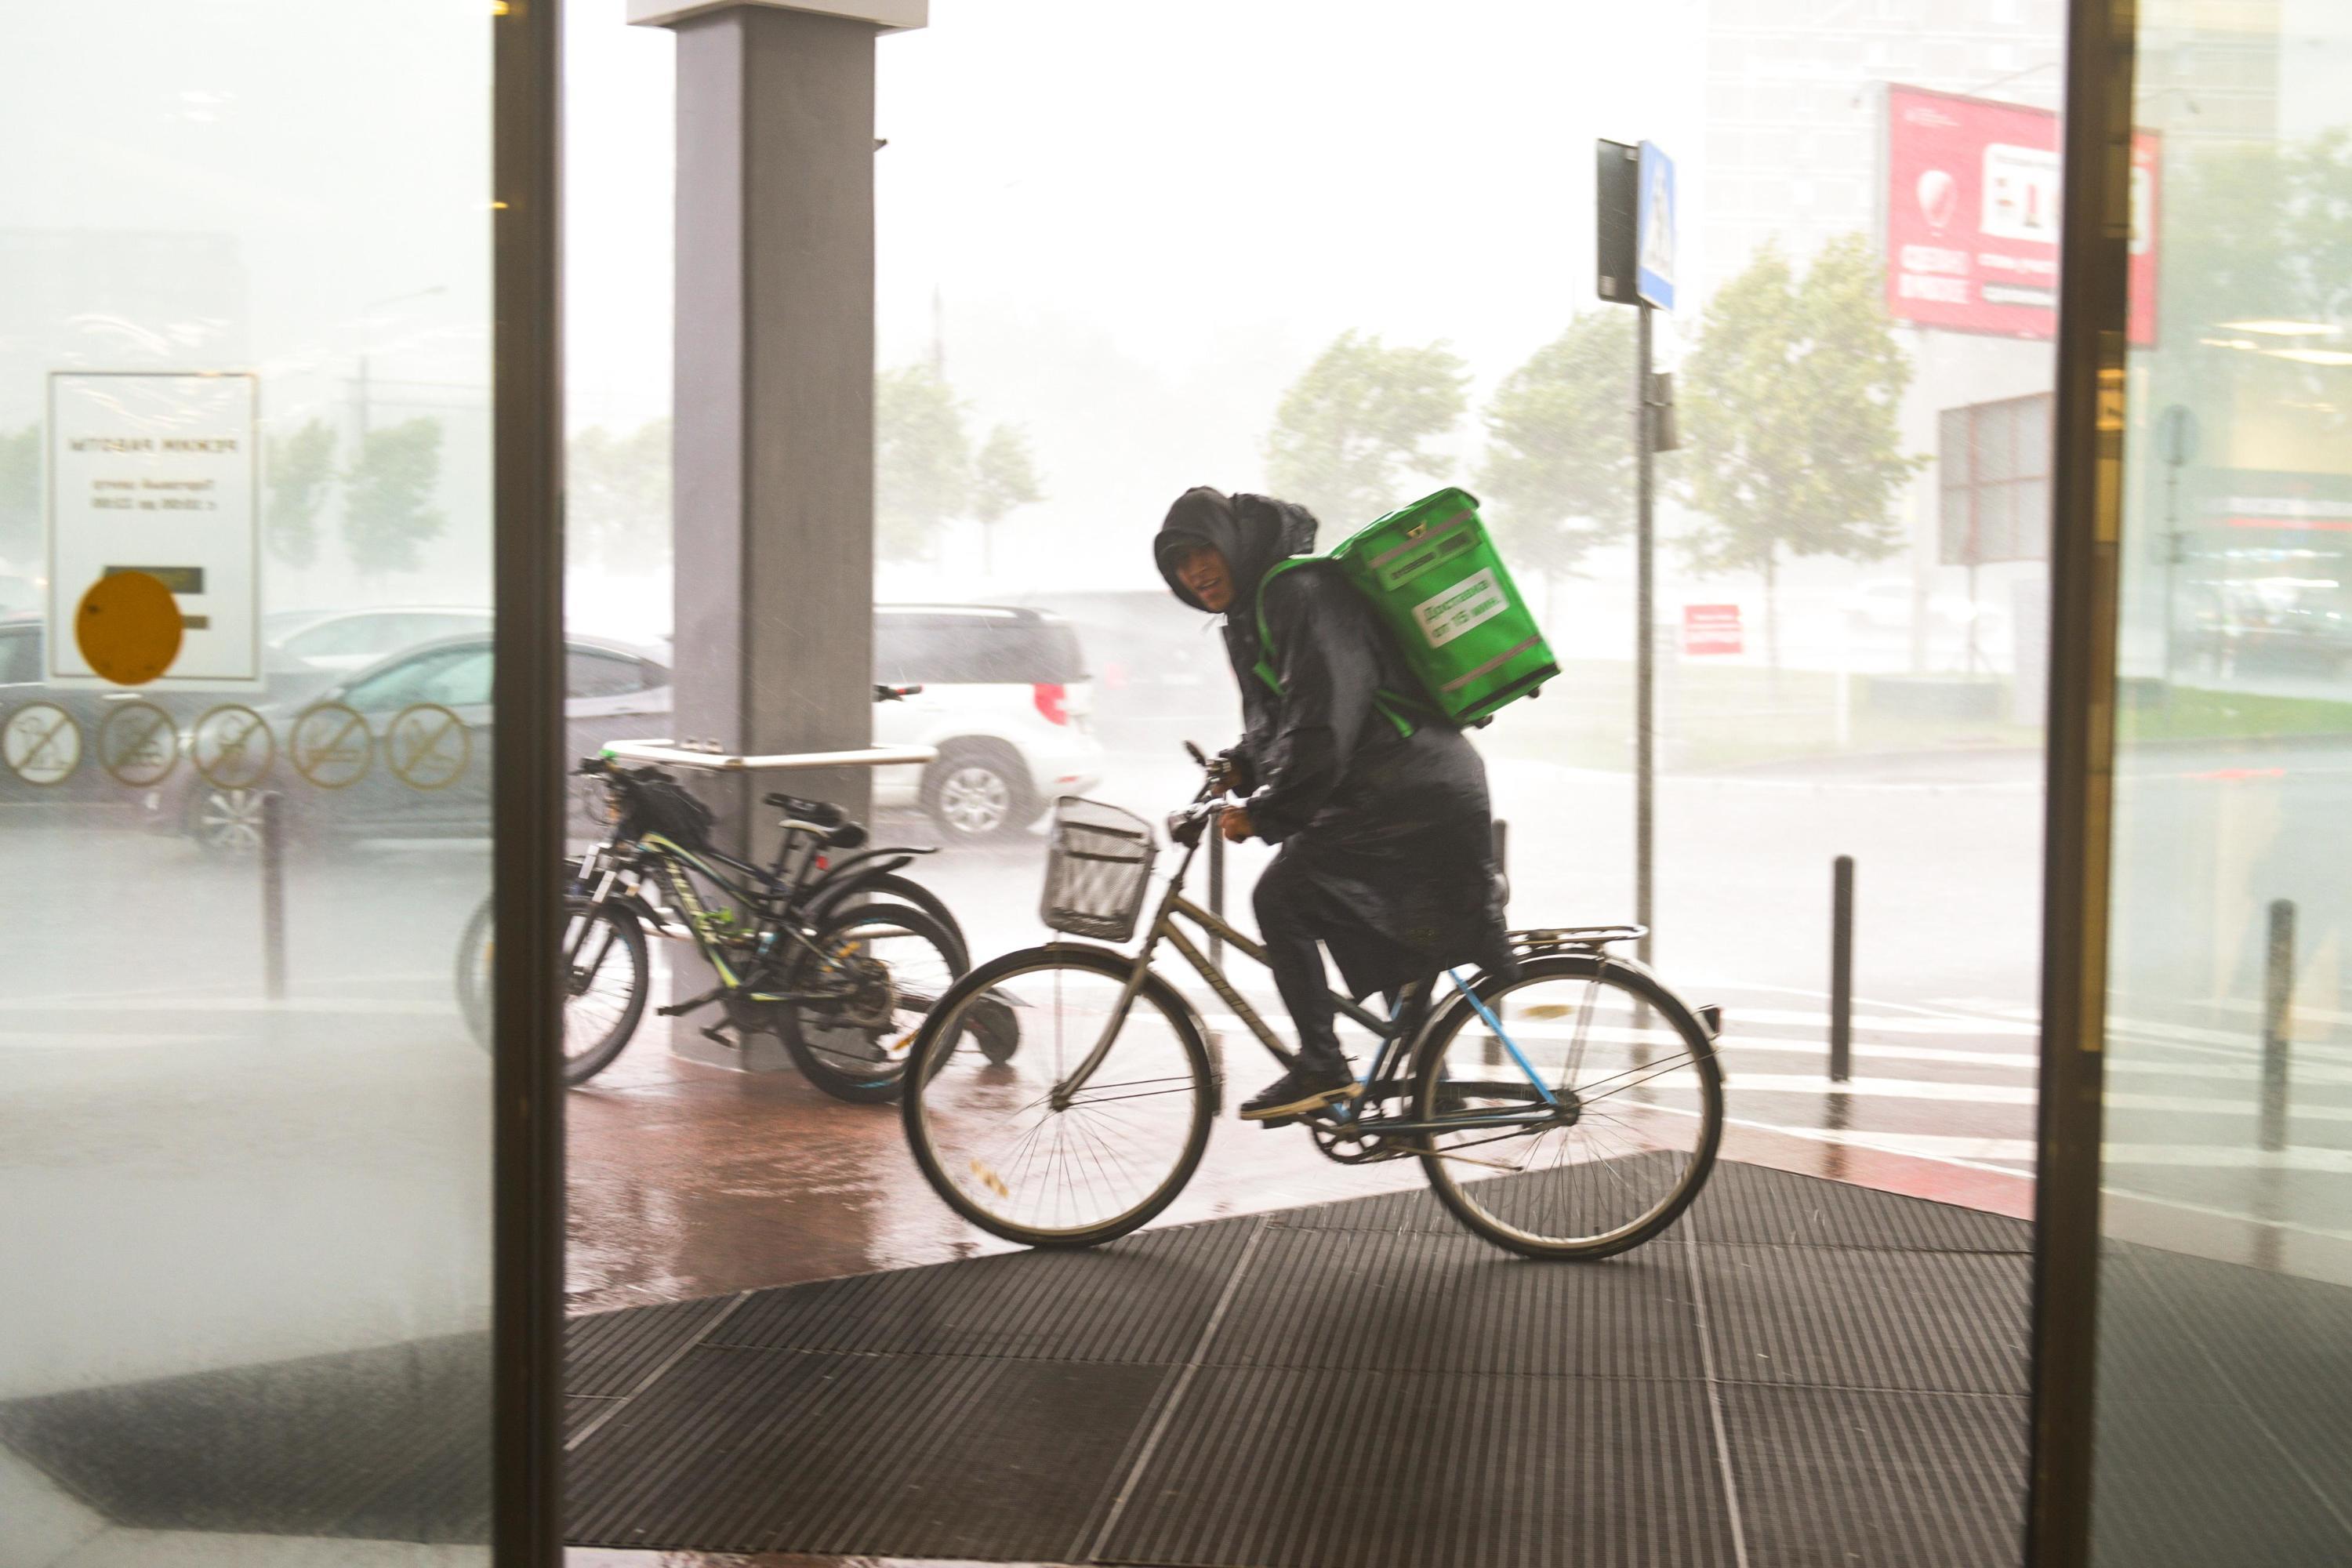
[{"x": 1234, "y": 823}]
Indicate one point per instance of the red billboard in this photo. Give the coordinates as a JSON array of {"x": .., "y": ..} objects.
[{"x": 1972, "y": 207}]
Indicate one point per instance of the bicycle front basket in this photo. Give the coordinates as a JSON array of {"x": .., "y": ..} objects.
[{"x": 1097, "y": 871}]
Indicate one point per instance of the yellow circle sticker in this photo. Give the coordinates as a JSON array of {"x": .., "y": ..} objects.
[
  {"x": 129, "y": 627},
  {"x": 330, "y": 746},
  {"x": 232, "y": 747},
  {"x": 41, "y": 743},
  {"x": 427, "y": 746},
  {"x": 138, "y": 745}
]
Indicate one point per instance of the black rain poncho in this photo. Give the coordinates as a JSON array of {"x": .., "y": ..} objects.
[{"x": 1389, "y": 835}]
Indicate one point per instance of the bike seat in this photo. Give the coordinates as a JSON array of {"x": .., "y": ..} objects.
[{"x": 823, "y": 814}]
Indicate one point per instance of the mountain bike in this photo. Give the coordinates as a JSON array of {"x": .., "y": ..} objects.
[
  {"x": 760, "y": 928},
  {"x": 1571, "y": 1110}
]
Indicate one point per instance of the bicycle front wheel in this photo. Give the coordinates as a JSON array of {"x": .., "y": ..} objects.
[
  {"x": 605, "y": 978},
  {"x": 1008, "y": 1145},
  {"x": 1577, "y": 1116}
]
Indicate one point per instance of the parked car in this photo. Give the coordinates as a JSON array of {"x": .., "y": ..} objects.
[
  {"x": 1007, "y": 699},
  {"x": 1160, "y": 671},
  {"x": 1886, "y": 604},
  {"x": 24, "y": 683},
  {"x": 613, "y": 691},
  {"x": 310, "y": 650}
]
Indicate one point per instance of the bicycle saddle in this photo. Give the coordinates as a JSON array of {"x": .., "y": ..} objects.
[{"x": 822, "y": 814}]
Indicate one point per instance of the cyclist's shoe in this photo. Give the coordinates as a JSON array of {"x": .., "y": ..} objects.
[{"x": 1308, "y": 1085}]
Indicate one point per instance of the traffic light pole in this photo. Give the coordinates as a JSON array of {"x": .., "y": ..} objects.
[{"x": 1645, "y": 627}]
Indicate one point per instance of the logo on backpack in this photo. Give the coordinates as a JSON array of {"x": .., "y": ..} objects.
[{"x": 1472, "y": 602}]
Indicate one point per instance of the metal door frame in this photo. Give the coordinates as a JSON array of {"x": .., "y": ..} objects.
[
  {"x": 2086, "y": 524},
  {"x": 527, "y": 855}
]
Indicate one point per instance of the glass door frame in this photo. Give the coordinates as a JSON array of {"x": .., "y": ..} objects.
[
  {"x": 527, "y": 409},
  {"x": 2086, "y": 522}
]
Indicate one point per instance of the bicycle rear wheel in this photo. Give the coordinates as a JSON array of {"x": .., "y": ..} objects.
[
  {"x": 1570, "y": 1126},
  {"x": 981, "y": 1117},
  {"x": 863, "y": 1062}
]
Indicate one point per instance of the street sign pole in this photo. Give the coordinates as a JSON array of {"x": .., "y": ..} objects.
[
  {"x": 1646, "y": 638},
  {"x": 1634, "y": 227}
]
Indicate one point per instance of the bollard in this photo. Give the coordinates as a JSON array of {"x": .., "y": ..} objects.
[
  {"x": 2278, "y": 1021},
  {"x": 273, "y": 895},
  {"x": 1216, "y": 882},
  {"x": 1841, "y": 969}
]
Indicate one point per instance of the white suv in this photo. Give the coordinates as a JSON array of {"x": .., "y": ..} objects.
[{"x": 1007, "y": 700}]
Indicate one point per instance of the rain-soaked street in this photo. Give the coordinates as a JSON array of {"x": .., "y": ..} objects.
[{"x": 689, "y": 1180}]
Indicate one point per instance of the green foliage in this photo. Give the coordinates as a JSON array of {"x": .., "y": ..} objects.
[
  {"x": 922, "y": 460},
  {"x": 616, "y": 503},
  {"x": 1789, "y": 412},
  {"x": 302, "y": 467},
  {"x": 1558, "y": 478},
  {"x": 1004, "y": 476},
  {"x": 20, "y": 496},
  {"x": 386, "y": 494},
  {"x": 1356, "y": 421}
]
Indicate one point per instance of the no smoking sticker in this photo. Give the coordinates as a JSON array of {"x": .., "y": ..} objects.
[
  {"x": 427, "y": 746},
  {"x": 232, "y": 747},
  {"x": 138, "y": 745},
  {"x": 330, "y": 746},
  {"x": 41, "y": 743}
]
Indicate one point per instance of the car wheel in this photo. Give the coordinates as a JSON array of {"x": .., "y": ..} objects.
[
  {"x": 978, "y": 792},
  {"x": 225, "y": 822}
]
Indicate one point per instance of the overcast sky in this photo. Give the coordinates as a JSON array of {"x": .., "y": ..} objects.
[{"x": 1143, "y": 218}]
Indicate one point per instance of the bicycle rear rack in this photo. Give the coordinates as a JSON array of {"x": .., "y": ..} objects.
[{"x": 1593, "y": 938}]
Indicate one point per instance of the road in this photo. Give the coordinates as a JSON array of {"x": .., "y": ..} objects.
[{"x": 149, "y": 1097}]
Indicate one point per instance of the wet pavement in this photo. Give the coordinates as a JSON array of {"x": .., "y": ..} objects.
[{"x": 689, "y": 1181}]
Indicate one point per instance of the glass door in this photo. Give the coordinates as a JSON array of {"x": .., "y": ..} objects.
[
  {"x": 2217, "y": 1429},
  {"x": 245, "y": 494}
]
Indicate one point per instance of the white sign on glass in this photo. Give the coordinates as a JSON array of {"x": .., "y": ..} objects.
[{"x": 158, "y": 472}]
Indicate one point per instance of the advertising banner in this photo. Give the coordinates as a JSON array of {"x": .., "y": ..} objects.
[{"x": 1972, "y": 213}]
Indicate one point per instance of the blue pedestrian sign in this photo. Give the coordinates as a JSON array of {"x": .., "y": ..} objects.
[{"x": 1653, "y": 225}]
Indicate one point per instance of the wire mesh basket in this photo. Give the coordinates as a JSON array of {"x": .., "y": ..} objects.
[{"x": 1098, "y": 868}]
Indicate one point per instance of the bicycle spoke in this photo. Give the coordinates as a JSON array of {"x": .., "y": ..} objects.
[
  {"x": 1022, "y": 1151},
  {"x": 1600, "y": 1172}
]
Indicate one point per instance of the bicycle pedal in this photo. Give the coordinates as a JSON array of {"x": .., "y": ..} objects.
[
  {"x": 1279, "y": 1120},
  {"x": 717, "y": 1033}
]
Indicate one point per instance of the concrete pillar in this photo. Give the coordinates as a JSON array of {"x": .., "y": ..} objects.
[{"x": 774, "y": 432}]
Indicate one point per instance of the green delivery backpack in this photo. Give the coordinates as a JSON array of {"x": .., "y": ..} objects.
[{"x": 1435, "y": 582}]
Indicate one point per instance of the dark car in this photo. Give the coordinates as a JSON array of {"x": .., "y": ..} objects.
[
  {"x": 53, "y": 733},
  {"x": 402, "y": 750}
]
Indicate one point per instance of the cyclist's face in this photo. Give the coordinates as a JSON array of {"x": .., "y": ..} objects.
[{"x": 1203, "y": 569}]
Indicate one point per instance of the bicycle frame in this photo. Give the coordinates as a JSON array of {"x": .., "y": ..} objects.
[{"x": 1395, "y": 1045}]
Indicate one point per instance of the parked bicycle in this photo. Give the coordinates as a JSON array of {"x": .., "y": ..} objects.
[
  {"x": 826, "y": 948},
  {"x": 1573, "y": 1110}
]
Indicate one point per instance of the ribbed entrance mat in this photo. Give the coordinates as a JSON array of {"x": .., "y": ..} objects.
[
  {"x": 1799, "y": 1373},
  {"x": 1355, "y": 1384}
]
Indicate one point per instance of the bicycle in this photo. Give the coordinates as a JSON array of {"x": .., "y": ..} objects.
[
  {"x": 1580, "y": 1128},
  {"x": 838, "y": 958}
]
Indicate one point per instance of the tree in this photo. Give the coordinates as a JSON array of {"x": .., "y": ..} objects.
[
  {"x": 386, "y": 494},
  {"x": 1003, "y": 475},
  {"x": 1788, "y": 405},
  {"x": 616, "y": 504},
  {"x": 1356, "y": 422},
  {"x": 1558, "y": 478},
  {"x": 20, "y": 496},
  {"x": 302, "y": 467},
  {"x": 922, "y": 460}
]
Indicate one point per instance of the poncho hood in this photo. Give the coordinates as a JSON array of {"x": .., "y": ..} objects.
[{"x": 1251, "y": 531}]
